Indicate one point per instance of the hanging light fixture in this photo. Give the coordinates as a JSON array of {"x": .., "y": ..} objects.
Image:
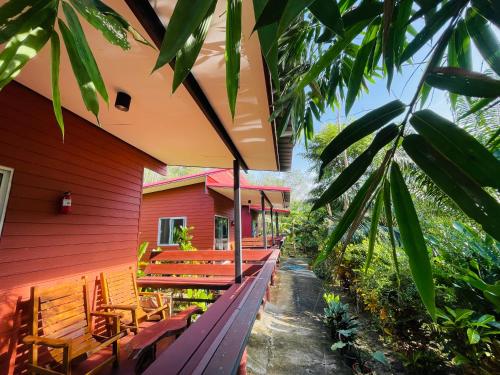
[{"x": 122, "y": 102}]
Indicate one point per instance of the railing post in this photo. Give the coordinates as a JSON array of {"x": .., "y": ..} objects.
[
  {"x": 264, "y": 230},
  {"x": 237, "y": 223},
  {"x": 277, "y": 225},
  {"x": 272, "y": 226}
]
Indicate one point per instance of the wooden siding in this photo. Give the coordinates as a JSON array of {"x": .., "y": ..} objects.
[
  {"x": 40, "y": 246},
  {"x": 246, "y": 222},
  {"x": 189, "y": 201},
  {"x": 224, "y": 207}
]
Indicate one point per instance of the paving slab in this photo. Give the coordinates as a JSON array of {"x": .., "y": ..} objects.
[{"x": 291, "y": 338}]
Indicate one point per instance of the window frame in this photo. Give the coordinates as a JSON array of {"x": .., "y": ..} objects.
[
  {"x": 228, "y": 231},
  {"x": 170, "y": 226},
  {"x": 5, "y": 187}
]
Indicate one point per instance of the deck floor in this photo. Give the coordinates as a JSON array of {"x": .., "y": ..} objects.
[{"x": 291, "y": 338}]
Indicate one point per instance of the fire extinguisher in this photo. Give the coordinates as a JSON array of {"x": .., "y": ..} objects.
[{"x": 66, "y": 203}]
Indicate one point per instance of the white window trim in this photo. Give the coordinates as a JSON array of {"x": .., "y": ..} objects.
[
  {"x": 228, "y": 230},
  {"x": 171, "y": 229},
  {"x": 5, "y": 192}
]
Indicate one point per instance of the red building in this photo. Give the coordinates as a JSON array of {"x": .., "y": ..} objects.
[
  {"x": 204, "y": 201},
  {"x": 102, "y": 164}
]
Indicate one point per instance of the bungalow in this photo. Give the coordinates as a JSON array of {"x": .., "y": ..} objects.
[
  {"x": 204, "y": 201},
  {"x": 71, "y": 208}
]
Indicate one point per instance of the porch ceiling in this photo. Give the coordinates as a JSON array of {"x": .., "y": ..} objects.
[{"x": 172, "y": 127}]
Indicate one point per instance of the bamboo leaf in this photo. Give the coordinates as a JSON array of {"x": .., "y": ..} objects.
[
  {"x": 464, "y": 82},
  {"x": 403, "y": 12},
  {"x": 462, "y": 46},
  {"x": 22, "y": 47},
  {"x": 54, "y": 74},
  {"x": 271, "y": 13},
  {"x": 186, "y": 57},
  {"x": 388, "y": 218},
  {"x": 363, "y": 13},
  {"x": 357, "y": 73},
  {"x": 232, "y": 55},
  {"x": 187, "y": 15},
  {"x": 413, "y": 240},
  {"x": 269, "y": 47},
  {"x": 328, "y": 13},
  {"x": 84, "y": 51},
  {"x": 377, "y": 208},
  {"x": 327, "y": 58},
  {"x": 430, "y": 29},
  {"x": 484, "y": 39},
  {"x": 345, "y": 222},
  {"x": 459, "y": 147},
  {"x": 465, "y": 192},
  {"x": 292, "y": 10},
  {"x": 355, "y": 170},
  {"x": 19, "y": 16},
  {"x": 97, "y": 14},
  {"x": 360, "y": 129},
  {"x": 480, "y": 104},
  {"x": 85, "y": 83},
  {"x": 489, "y": 9}
]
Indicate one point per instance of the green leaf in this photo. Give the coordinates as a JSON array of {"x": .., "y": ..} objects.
[
  {"x": 473, "y": 336},
  {"x": 355, "y": 170},
  {"x": 345, "y": 222},
  {"x": 328, "y": 13},
  {"x": 430, "y": 29},
  {"x": 54, "y": 75},
  {"x": 357, "y": 73},
  {"x": 488, "y": 9},
  {"x": 403, "y": 12},
  {"x": 484, "y": 39},
  {"x": 292, "y": 10},
  {"x": 232, "y": 55},
  {"x": 22, "y": 47},
  {"x": 186, "y": 57},
  {"x": 459, "y": 147},
  {"x": 363, "y": 13},
  {"x": 19, "y": 16},
  {"x": 94, "y": 12},
  {"x": 84, "y": 51},
  {"x": 388, "y": 218},
  {"x": 462, "y": 46},
  {"x": 360, "y": 129},
  {"x": 465, "y": 192},
  {"x": 327, "y": 58},
  {"x": 377, "y": 208},
  {"x": 187, "y": 16},
  {"x": 413, "y": 240},
  {"x": 464, "y": 82},
  {"x": 269, "y": 47},
  {"x": 85, "y": 83},
  {"x": 271, "y": 13},
  {"x": 480, "y": 104}
]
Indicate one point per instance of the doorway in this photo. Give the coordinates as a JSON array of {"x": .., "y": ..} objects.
[{"x": 221, "y": 233}]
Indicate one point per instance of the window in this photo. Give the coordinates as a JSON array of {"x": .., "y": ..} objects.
[
  {"x": 5, "y": 180},
  {"x": 166, "y": 230},
  {"x": 221, "y": 233}
]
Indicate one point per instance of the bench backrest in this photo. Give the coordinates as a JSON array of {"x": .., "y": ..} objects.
[
  {"x": 209, "y": 255},
  {"x": 120, "y": 288},
  {"x": 61, "y": 311},
  {"x": 165, "y": 269}
]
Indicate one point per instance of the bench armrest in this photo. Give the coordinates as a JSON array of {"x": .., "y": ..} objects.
[
  {"x": 106, "y": 314},
  {"x": 46, "y": 341},
  {"x": 120, "y": 307}
]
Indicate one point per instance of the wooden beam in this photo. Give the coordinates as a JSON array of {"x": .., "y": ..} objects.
[
  {"x": 148, "y": 18},
  {"x": 263, "y": 208}
]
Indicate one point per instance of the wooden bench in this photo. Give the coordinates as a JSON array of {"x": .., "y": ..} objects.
[
  {"x": 120, "y": 293},
  {"x": 61, "y": 326},
  {"x": 248, "y": 256},
  {"x": 216, "y": 341}
]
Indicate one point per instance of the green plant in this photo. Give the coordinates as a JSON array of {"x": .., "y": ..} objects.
[
  {"x": 143, "y": 247},
  {"x": 343, "y": 327},
  {"x": 183, "y": 237},
  {"x": 471, "y": 340}
]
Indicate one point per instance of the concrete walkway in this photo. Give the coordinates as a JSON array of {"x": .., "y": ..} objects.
[{"x": 291, "y": 338}]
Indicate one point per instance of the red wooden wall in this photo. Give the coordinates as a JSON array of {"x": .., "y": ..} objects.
[
  {"x": 246, "y": 222},
  {"x": 40, "y": 246},
  {"x": 194, "y": 203}
]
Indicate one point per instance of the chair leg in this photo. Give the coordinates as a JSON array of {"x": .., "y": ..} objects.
[{"x": 116, "y": 352}]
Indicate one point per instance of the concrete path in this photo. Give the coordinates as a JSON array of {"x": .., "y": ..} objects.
[{"x": 291, "y": 338}]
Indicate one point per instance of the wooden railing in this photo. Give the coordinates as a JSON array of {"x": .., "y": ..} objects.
[{"x": 215, "y": 343}]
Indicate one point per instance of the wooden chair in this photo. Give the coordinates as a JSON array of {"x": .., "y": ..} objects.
[
  {"x": 62, "y": 329},
  {"x": 120, "y": 292}
]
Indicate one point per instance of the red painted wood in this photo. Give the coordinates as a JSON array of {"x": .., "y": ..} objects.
[
  {"x": 209, "y": 255},
  {"x": 246, "y": 222},
  {"x": 211, "y": 283},
  {"x": 40, "y": 246},
  {"x": 198, "y": 269}
]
